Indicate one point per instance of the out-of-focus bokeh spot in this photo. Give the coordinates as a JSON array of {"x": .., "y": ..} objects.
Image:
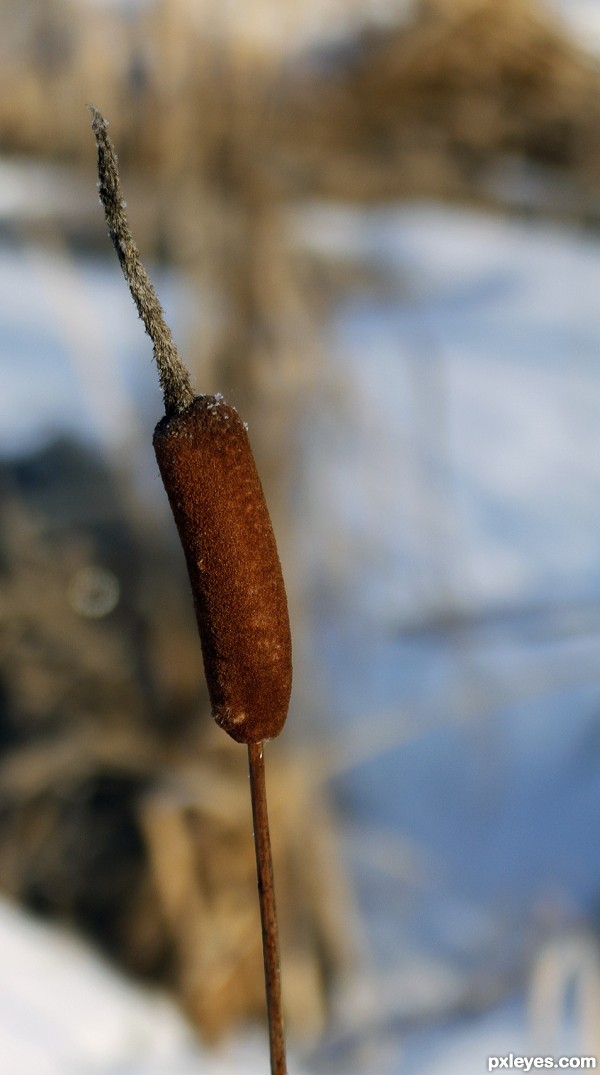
[{"x": 94, "y": 592}]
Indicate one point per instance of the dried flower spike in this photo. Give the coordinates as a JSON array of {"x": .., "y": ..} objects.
[{"x": 210, "y": 477}]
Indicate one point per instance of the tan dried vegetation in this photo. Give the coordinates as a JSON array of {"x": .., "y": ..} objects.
[
  {"x": 136, "y": 830},
  {"x": 98, "y": 714}
]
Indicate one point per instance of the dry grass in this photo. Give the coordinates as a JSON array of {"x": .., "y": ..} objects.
[
  {"x": 191, "y": 99},
  {"x": 98, "y": 723},
  {"x": 138, "y": 830},
  {"x": 425, "y": 110}
]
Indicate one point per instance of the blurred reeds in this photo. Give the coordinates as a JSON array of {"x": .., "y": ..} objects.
[
  {"x": 218, "y": 135},
  {"x": 417, "y": 107},
  {"x": 217, "y": 138},
  {"x": 121, "y": 811}
]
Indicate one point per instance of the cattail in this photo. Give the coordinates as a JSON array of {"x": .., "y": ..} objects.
[{"x": 210, "y": 477}]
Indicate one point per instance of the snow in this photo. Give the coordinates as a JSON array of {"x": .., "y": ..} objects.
[
  {"x": 449, "y": 532},
  {"x": 478, "y": 378},
  {"x": 63, "y": 1011},
  {"x": 582, "y": 19},
  {"x": 454, "y": 473}
]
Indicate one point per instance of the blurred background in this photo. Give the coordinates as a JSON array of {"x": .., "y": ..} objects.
[{"x": 374, "y": 228}]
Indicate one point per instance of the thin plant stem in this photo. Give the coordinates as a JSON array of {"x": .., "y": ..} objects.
[
  {"x": 182, "y": 426},
  {"x": 268, "y": 911}
]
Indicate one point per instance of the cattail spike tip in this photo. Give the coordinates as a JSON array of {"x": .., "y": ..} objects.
[{"x": 174, "y": 377}]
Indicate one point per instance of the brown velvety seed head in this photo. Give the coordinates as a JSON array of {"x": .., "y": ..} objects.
[{"x": 210, "y": 477}]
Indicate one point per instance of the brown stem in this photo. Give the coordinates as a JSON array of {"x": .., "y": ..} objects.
[{"x": 268, "y": 912}]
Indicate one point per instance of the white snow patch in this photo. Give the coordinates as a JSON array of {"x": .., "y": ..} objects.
[
  {"x": 465, "y": 449},
  {"x": 64, "y": 1011}
]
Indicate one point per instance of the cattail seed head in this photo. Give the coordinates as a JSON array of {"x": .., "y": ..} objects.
[
  {"x": 210, "y": 477},
  {"x": 208, "y": 470}
]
